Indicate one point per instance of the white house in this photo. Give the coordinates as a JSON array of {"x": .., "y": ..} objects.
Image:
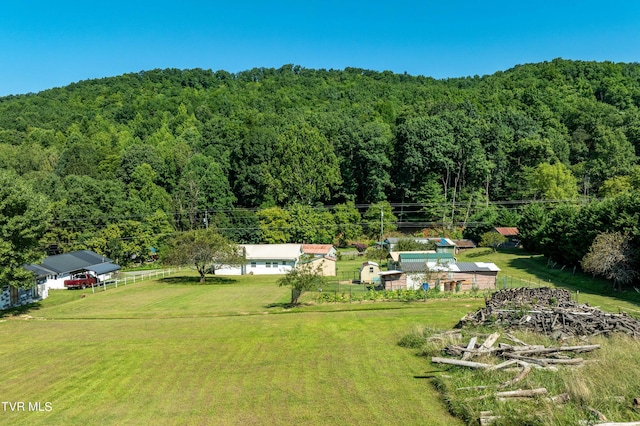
[{"x": 266, "y": 259}]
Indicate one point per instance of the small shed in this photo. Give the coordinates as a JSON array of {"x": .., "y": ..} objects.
[
  {"x": 327, "y": 265},
  {"x": 464, "y": 245},
  {"x": 369, "y": 272},
  {"x": 393, "y": 280},
  {"x": 480, "y": 275},
  {"x": 444, "y": 245},
  {"x": 512, "y": 234}
]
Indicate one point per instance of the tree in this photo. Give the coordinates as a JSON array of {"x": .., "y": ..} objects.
[
  {"x": 379, "y": 218},
  {"x": 275, "y": 225},
  {"x": 24, "y": 217},
  {"x": 530, "y": 225},
  {"x": 376, "y": 253},
  {"x": 553, "y": 182},
  {"x": 311, "y": 225},
  {"x": 304, "y": 168},
  {"x": 614, "y": 256},
  {"x": 347, "y": 219},
  {"x": 205, "y": 250},
  {"x": 492, "y": 239},
  {"x": 302, "y": 278},
  {"x": 410, "y": 244},
  {"x": 423, "y": 149}
]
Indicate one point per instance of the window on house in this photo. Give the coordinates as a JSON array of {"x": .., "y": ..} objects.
[
  {"x": 371, "y": 269},
  {"x": 275, "y": 264},
  {"x": 268, "y": 264},
  {"x": 253, "y": 264}
]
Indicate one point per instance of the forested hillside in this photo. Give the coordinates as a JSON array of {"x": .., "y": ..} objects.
[{"x": 127, "y": 160}]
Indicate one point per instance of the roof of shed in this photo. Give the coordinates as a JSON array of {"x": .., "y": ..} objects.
[
  {"x": 452, "y": 267},
  {"x": 507, "y": 231},
  {"x": 395, "y": 255},
  {"x": 474, "y": 267},
  {"x": 317, "y": 248},
  {"x": 465, "y": 243}
]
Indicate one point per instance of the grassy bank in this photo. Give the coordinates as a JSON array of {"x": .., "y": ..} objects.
[{"x": 604, "y": 386}]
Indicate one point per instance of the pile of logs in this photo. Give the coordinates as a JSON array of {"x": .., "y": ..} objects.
[
  {"x": 520, "y": 355},
  {"x": 551, "y": 312}
]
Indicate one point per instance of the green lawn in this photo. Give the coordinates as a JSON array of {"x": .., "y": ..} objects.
[
  {"x": 522, "y": 268},
  {"x": 175, "y": 352}
]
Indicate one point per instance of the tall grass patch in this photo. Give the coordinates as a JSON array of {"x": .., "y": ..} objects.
[{"x": 605, "y": 385}]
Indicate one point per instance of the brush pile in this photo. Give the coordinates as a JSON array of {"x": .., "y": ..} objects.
[{"x": 549, "y": 311}]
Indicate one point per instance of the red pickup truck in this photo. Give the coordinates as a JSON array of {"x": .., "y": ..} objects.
[{"x": 80, "y": 281}]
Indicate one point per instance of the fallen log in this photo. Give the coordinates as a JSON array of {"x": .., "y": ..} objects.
[
  {"x": 542, "y": 350},
  {"x": 525, "y": 358},
  {"x": 490, "y": 341},
  {"x": 516, "y": 340},
  {"x": 525, "y": 370},
  {"x": 472, "y": 344},
  {"x": 522, "y": 393},
  {"x": 470, "y": 364},
  {"x": 505, "y": 364},
  {"x": 544, "y": 361}
]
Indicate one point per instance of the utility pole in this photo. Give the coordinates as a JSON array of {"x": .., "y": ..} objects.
[{"x": 381, "y": 223}]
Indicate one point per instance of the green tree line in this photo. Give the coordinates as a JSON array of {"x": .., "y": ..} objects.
[{"x": 123, "y": 162}]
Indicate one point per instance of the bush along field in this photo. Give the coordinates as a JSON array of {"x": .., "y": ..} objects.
[
  {"x": 535, "y": 357},
  {"x": 371, "y": 295}
]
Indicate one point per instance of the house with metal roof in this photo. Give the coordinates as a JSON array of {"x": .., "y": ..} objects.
[
  {"x": 418, "y": 259},
  {"x": 51, "y": 273},
  {"x": 458, "y": 276},
  {"x": 55, "y": 269},
  {"x": 319, "y": 250},
  {"x": 442, "y": 245}
]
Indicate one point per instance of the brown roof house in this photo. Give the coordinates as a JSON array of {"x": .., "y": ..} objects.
[
  {"x": 511, "y": 234},
  {"x": 319, "y": 250},
  {"x": 324, "y": 255}
]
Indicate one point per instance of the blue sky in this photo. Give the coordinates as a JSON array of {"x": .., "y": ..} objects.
[{"x": 54, "y": 43}]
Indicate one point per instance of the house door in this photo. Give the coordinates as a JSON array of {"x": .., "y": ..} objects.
[{"x": 13, "y": 292}]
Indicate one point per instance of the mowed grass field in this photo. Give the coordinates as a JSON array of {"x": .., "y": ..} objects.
[
  {"x": 171, "y": 351},
  {"x": 175, "y": 352}
]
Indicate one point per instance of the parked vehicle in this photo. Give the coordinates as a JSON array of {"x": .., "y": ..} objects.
[{"x": 82, "y": 280}]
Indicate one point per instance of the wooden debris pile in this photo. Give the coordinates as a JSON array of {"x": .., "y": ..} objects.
[
  {"x": 522, "y": 356},
  {"x": 551, "y": 312}
]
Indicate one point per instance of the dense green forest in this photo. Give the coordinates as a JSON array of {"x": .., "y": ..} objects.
[{"x": 314, "y": 155}]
